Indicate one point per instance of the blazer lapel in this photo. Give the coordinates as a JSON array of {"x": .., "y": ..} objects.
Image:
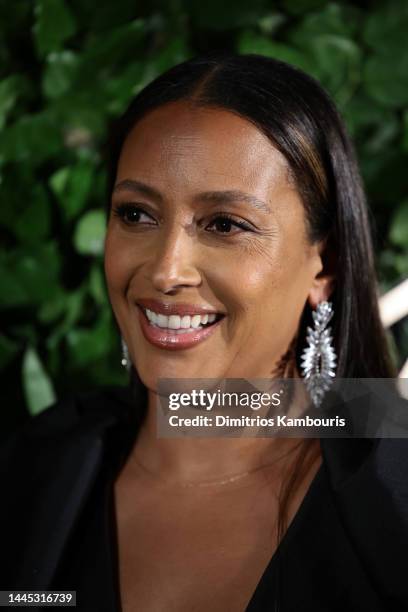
[{"x": 54, "y": 513}]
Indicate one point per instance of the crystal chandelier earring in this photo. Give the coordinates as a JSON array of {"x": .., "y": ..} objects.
[
  {"x": 319, "y": 357},
  {"x": 125, "y": 355}
]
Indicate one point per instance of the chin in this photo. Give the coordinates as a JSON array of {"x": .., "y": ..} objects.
[{"x": 150, "y": 375}]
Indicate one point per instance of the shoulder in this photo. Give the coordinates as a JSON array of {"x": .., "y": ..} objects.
[
  {"x": 369, "y": 488},
  {"x": 378, "y": 463},
  {"x": 377, "y": 445},
  {"x": 61, "y": 449},
  {"x": 375, "y": 456},
  {"x": 48, "y": 433},
  {"x": 48, "y": 469},
  {"x": 68, "y": 411}
]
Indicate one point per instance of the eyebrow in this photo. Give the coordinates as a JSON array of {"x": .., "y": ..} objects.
[
  {"x": 138, "y": 187},
  {"x": 230, "y": 196},
  {"x": 217, "y": 197}
]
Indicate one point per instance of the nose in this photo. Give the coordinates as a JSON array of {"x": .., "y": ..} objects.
[{"x": 172, "y": 264}]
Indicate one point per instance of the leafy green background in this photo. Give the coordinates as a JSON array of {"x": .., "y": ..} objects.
[{"x": 68, "y": 68}]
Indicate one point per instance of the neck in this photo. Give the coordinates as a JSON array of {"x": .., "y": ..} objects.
[{"x": 200, "y": 460}]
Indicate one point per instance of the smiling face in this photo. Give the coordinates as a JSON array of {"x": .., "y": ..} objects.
[{"x": 169, "y": 247}]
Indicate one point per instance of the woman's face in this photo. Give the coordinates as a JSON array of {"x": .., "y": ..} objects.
[{"x": 171, "y": 250}]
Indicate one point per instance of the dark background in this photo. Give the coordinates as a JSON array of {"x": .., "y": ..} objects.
[{"x": 69, "y": 68}]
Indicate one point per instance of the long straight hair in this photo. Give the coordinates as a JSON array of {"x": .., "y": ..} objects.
[{"x": 302, "y": 122}]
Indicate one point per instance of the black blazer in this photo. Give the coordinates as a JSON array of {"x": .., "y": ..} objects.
[{"x": 346, "y": 549}]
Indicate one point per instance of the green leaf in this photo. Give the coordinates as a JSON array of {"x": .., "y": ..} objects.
[
  {"x": 121, "y": 88},
  {"x": 32, "y": 224},
  {"x": 368, "y": 118},
  {"x": 249, "y": 42},
  {"x": 297, "y": 7},
  {"x": 106, "y": 52},
  {"x": 54, "y": 307},
  {"x": 32, "y": 138},
  {"x": 401, "y": 264},
  {"x": 333, "y": 19},
  {"x": 90, "y": 232},
  {"x": 54, "y": 24},
  {"x": 13, "y": 292},
  {"x": 109, "y": 15},
  {"x": 174, "y": 52},
  {"x": 29, "y": 275},
  {"x": 97, "y": 287},
  {"x": 386, "y": 174},
  {"x": 10, "y": 89},
  {"x": 37, "y": 387},
  {"x": 81, "y": 121},
  {"x": 24, "y": 209},
  {"x": 271, "y": 22},
  {"x": 336, "y": 64},
  {"x": 326, "y": 38},
  {"x": 385, "y": 29},
  {"x": 399, "y": 226},
  {"x": 71, "y": 185},
  {"x": 88, "y": 345},
  {"x": 72, "y": 310},
  {"x": 216, "y": 15},
  {"x": 386, "y": 79},
  {"x": 59, "y": 73},
  {"x": 405, "y": 131}
]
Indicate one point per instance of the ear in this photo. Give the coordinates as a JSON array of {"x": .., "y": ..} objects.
[{"x": 324, "y": 282}]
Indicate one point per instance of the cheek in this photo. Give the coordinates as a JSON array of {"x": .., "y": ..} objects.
[
  {"x": 118, "y": 264},
  {"x": 249, "y": 286},
  {"x": 259, "y": 272},
  {"x": 271, "y": 290}
]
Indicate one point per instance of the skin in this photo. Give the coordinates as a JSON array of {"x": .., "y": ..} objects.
[{"x": 261, "y": 279}]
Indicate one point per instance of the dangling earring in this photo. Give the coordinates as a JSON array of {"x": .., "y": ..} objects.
[
  {"x": 125, "y": 355},
  {"x": 319, "y": 358}
]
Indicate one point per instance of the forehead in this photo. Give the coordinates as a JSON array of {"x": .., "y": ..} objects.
[{"x": 180, "y": 142}]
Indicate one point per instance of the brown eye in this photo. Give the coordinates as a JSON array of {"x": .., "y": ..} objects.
[
  {"x": 224, "y": 224},
  {"x": 132, "y": 215}
]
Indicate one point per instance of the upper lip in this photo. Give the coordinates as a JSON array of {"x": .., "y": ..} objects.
[{"x": 174, "y": 308}]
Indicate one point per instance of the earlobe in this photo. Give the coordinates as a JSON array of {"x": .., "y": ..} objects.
[
  {"x": 321, "y": 290},
  {"x": 324, "y": 282}
]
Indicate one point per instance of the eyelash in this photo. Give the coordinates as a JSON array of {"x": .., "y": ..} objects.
[{"x": 120, "y": 210}]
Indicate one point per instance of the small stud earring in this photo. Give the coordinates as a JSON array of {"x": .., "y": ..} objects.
[
  {"x": 125, "y": 355},
  {"x": 319, "y": 357}
]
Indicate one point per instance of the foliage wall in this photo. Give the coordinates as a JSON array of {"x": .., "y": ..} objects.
[{"x": 68, "y": 68}]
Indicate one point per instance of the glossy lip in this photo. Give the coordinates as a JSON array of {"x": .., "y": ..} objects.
[
  {"x": 172, "y": 308},
  {"x": 165, "y": 339}
]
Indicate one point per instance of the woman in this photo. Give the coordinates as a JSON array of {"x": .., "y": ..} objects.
[{"x": 235, "y": 208}]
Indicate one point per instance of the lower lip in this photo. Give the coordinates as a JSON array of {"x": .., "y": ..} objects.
[{"x": 165, "y": 339}]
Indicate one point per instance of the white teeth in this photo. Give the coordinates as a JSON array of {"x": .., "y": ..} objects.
[
  {"x": 195, "y": 321},
  {"x": 152, "y": 316},
  {"x": 161, "y": 320},
  {"x": 174, "y": 322},
  {"x": 178, "y": 323},
  {"x": 186, "y": 322}
]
